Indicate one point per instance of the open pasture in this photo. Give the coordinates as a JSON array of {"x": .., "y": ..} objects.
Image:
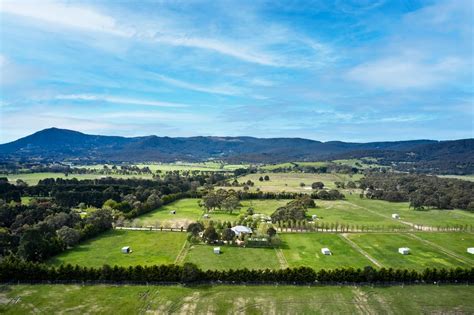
[
  {"x": 187, "y": 211},
  {"x": 304, "y": 249},
  {"x": 232, "y": 257},
  {"x": 34, "y": 178},
  {"x": 290, "y": 182},
  {"x": 383, "y": 247},
  {"x": 431, "y": 217},
  {"x": 455, "y": 243},
  {"x": 109, "y": 299},
  {"x": 148, "y": 248},
  {"x": 343, "y": 212}
]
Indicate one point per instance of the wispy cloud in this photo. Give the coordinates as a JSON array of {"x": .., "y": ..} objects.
[
  {"x": 224, "y": 89},
  {"x": 402, "y": 73},
  {"x": 118, "y": 100}
]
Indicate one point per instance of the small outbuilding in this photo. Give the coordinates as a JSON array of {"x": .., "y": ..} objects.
[
  {"x": 395, "y": 216},
  {"x": 404, "y": 250},
  {"x": 173, "y": 212},
  {"x": 470, "y": 250},
  {"x": 326, "y": 251},
  {"x": 206, "y": 216},
  {"x": 314, "y": 217},
  {"x": 217, "y": 250},
  {"x": 126, "y": 250}
]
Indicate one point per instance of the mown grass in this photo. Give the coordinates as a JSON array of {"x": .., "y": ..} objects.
[
  {"x": 103, "y": 299},
  {"x": 452, "y": 242},
  {"x": 305, "y": 250},
  {"x": 34, "y": 178},
  {"x": 384, "y": 248},
  {"x": 290, "y": 182},
  {"x": 343, "y": 212},
  {"x": 187, "y": 211},
  {"x": 232, "y": 257},
  {"x": 431, "y": 217},
  {"x": 149, "y": 248}
]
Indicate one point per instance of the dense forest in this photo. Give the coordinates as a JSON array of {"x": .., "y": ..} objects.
[
  {"x": 421, "y": 191},
  {"x": 51, "y": 221}
]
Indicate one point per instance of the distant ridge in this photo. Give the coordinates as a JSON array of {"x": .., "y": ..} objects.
[{"x": 61, "y": 144}]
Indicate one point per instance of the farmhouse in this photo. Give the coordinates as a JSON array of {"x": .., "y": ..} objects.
[
  {"x": 395, "y": 216},
  {"x": 404, "y": 250},
  {"x": 126, "y": 250},
  {"x": 326, "y": 251},
  {"x": 470, "y": 250},
  {"x": 217, "y": 250},
  {"x": 240, "y": 229}
]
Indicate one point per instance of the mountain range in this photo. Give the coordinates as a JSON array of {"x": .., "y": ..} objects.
[{"x": 55, "y": 144}]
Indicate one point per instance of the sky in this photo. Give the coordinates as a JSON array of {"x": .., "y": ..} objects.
[{"x": 326, "y": 70}]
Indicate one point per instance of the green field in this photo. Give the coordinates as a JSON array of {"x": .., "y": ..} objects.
[
  {"x": 305, "y": 250},
  {"x": 188, "y": 210},
  {"x": 149, "y": 248},
  {"x": 341, "y": 211},
  {"x": 34, "y": 178},
  {"x": 232, "y": 257},
  {"x": 454, "y": 243},
  {"x": 430, "y": 217},
  {"x": 290, "y": 182},
  {"x": 383, "y": 247},
  {"x": 102, "y": 299},
  {"x": 178, "y": 166}
]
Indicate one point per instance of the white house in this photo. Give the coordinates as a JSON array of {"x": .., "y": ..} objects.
[
  {"x": 470, "y": 250},
  {"x": 404, "y": 250},
  {"x": 126, "y": 249},
  {"x": 240, "y": 229},
  {"x": 326, "y": 251},
  {"x": 217, "y": 250},
  {"x": 395, "y": 216}
]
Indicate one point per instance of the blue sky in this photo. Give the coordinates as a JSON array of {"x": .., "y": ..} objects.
[{"x": 325, "y": 70}]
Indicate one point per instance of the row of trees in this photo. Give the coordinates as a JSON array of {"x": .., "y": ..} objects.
[{"x": 13, "y": 270}]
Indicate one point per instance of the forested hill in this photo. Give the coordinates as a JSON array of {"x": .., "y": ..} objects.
[{"x": 61, "y": 144}]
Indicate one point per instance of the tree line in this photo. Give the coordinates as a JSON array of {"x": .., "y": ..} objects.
[
  {"x": 422, "y": 191},
  {"x": 15, "y": 270}
]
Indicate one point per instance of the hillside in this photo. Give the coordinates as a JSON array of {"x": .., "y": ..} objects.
[{"x": 60, "y": 144}]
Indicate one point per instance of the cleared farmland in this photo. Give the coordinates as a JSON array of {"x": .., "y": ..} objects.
[
  {"x": 76, "y": 299},
  {"x": 149, "y": 248},
  {"x": 384, "y": 248}
]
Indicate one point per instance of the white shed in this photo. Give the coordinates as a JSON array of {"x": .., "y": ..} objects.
[
  {"x": 173, "y": 212},
  {"x": 404, "y": 250},
  {"x": 314, "y": 217},
  {"x": 126, "y": 249},
  {"x": 395, "y": 216},
  {"x": 217, "y": 250},
  {"x": 206, "y": 216},
  {"x": 470, "y": 250},
  {"x": 326, "y": 251}
]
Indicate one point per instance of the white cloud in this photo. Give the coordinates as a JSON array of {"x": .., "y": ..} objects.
[
  {"x": 402, "y": 73},
  {"x": 119, "y": 100},
  {"x": 64, "y": 15}
]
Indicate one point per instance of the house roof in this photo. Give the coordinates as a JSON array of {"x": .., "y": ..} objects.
[{"x": 241, "y": 229}]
